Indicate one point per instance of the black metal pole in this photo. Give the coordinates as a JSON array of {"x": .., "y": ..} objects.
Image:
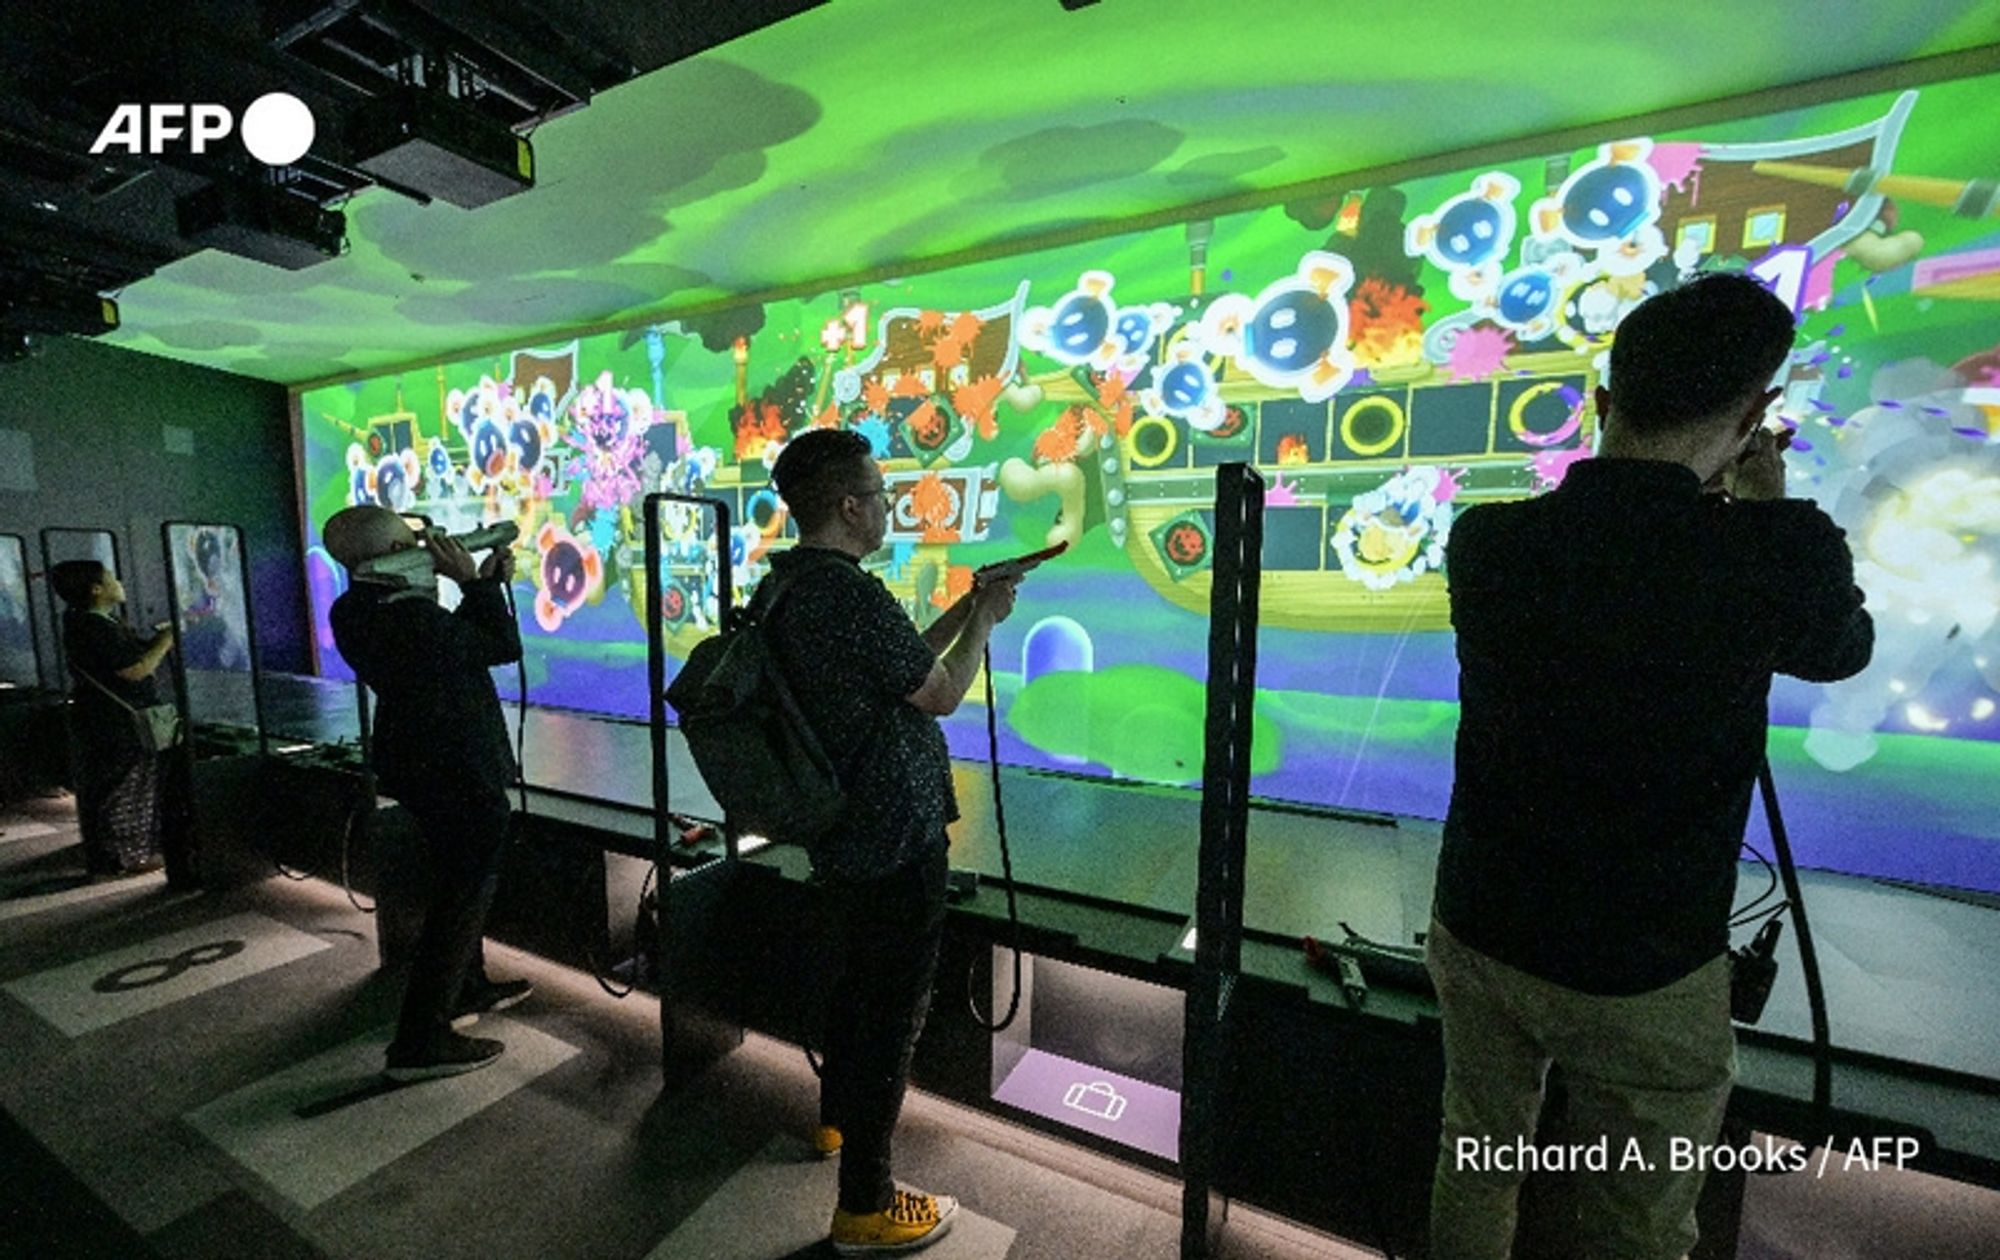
[
  {"x": 1231, "y": 694},
  {"x": 656, "y": 648},
  {"x": 182, "y": 852}
]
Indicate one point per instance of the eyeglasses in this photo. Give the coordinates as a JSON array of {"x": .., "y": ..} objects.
[{"x": 884, "y": 493}]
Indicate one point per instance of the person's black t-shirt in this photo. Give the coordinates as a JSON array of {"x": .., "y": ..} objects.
[
  {"x": 850, "y": 655},
  {"x": 95, "y": 647},
  {"x": 1616, "y": 641}
]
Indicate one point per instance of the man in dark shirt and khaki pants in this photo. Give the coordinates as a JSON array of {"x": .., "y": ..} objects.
[
  {"x": 1616, "y": 641},
  {"x": 872, "y": 687}
]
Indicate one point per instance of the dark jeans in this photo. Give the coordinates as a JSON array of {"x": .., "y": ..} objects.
[
  {"x": 465, "y": 831},
  {"x": 888, "y": 932}
]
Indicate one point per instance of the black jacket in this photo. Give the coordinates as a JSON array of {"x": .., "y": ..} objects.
[
  {"x": 438, "y": 725},
  {"x": 1616, "y": 642}
]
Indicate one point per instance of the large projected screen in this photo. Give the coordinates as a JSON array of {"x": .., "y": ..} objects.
[{"x": 1387, "y": 355}]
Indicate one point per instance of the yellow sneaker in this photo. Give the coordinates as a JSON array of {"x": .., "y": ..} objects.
[
  {"x": 825, "y": 1141},
  {"x": 912, "y": 1221}
]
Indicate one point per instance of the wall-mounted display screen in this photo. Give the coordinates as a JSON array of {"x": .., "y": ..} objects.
[
  {"x": 1387, "y": 354},
  {"x": 213, "y": 615},
  {"x": 19, "y": 666},
  {"x": 60, "y": 543}
]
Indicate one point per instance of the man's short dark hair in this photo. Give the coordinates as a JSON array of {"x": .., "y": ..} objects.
[
  {"x": 1690, "y": 354},
  {"x": 816, "y": 469},
  {"x": 75, "y": 579}
]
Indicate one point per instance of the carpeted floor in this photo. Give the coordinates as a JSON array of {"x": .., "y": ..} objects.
[{"x": 188, "y": 1076}]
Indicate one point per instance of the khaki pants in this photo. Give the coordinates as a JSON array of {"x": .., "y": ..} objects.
[{"x": 1640, "y": 1071}]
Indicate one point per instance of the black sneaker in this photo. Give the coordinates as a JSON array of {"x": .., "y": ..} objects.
[
  {"x": 483, "y": 997},
  {"x": 446, "y": 1054}
]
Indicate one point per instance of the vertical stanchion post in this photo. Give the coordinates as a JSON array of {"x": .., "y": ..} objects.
[
  {"x": 696, "y": 1028},
  {"x": 1225, "y": 819},
  {"x": 181, "y": 843}
]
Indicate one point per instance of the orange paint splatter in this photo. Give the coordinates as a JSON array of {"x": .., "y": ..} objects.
[
  {"x": 1062, "y": 441},
  {"x": 910, "y": 385},
  {"x": 876, "y": 395},
  {"x": 957, "y": 584},
  {"x": 975, "y": 401},
  {"x": 965, "y": 328}
]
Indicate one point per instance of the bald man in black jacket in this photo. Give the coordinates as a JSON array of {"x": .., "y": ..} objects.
[{"x": 441, "y": 749}]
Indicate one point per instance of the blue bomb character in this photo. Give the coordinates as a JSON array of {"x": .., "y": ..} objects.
[
  {"x": 1528, "y": 300},
  {"x": 569, "y": 572},
  {"x": 1079, "y": 328},
  {"x": 1293, "y": 331},
  {"x": 525, "y": 435},
  {"x": 1604, "y": 201},
  {"x": 1470, "y": 235},
  {"x": 1183, "y": 386},
  {"x": 489, "y": 451},
  {"x": 1079, "y": 325},
  {"x": 1294, "y": 335}
]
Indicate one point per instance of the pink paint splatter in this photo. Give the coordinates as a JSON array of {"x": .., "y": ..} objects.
[
  {"x": 1448, "y": 484},
  {"x": 1819, "y": 283},
  {"x": 1477, "y": 353},
  {"x": 1675, "y": 164},
  {"x": 1550, "y": 467},
  {"x": 1282, "y": 493}
]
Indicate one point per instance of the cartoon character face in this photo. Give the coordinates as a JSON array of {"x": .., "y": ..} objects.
[
  {"x": 1396, "y": 532},
  {"x": 569, "y": 572},
  {"x": 489, "y": 448},
  {"x": 1607, "y": 203},
  {"x": 1079, "y": 328},
  {"x": 1186, "y": 544},
  {"x": 1135, "y": 331},
  {"x": 1527, "y": 299},
  {"x": 1525, "y": 296},
  {"x": 524, "y": 436},
  {"x": 542, "y": 400},
  {"x": 1603, "y": 202},
  {"x": 1469, "y": 235},
  {"x": 1294, "y": 335},
  {"x": 1079, "y": 325},
  {"x": 1184, "y": 386},
  {"x": 390, "y": 481},
  {"x": 927, "y": 426},
  {"x": 1293, "y": 331},
  {"x": 509, "y": 445}
]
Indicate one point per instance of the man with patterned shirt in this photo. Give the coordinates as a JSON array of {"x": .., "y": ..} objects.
[{"x": 872, "y": 687}]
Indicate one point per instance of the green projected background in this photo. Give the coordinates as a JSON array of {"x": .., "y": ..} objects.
[
  {"x": 872, "y": 133},
  {"x": 1387, "y": 355}
]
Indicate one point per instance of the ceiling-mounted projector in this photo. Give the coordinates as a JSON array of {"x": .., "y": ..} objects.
[{"x": 423, "y": 140}]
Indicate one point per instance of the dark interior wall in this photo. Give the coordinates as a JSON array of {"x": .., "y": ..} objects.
[{"x": 101, "y": 426}]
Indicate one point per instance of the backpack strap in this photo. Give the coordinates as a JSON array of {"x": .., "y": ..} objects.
[{"x": 764, "y": 601}]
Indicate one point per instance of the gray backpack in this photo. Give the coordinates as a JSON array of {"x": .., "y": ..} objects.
[{"x": 751, "y": 743}]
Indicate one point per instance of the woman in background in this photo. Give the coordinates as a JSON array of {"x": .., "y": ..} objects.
[{"x": 120, "y": 787}]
